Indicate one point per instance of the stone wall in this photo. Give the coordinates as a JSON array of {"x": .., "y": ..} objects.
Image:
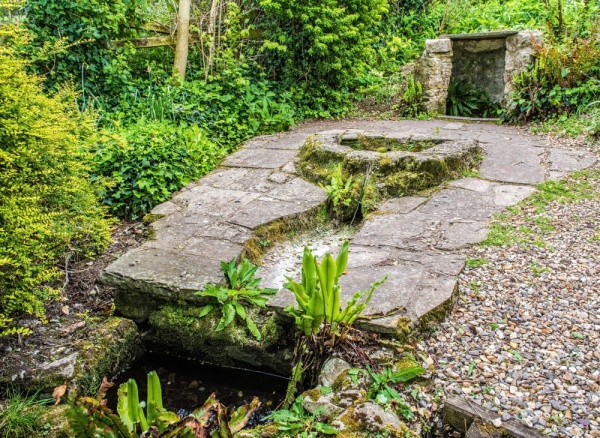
[
  {"x": 488, "y": 61},
  {"x": 433, "y": 71},
  {"x": 520, "y": 50}
]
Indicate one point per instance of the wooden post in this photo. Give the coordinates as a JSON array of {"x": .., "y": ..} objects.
[{"x": 181, "y": 49}]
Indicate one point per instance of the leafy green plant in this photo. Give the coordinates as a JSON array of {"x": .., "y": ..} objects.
[
  {"x": 411, "y": 102},
  {"x": 468, "y": 101},
  {"x": 142, "y": 166},
  {"x": 296, "y": 422},
  {"x": 242, "y": 290},
  {"x": 49, "y": 210},
  {"x": 339, "y": 192},
  {"x": 90, "y": 417},
  {"x": 319, "y": 294},
  {"x": 383, "y": 392},
  {"x": 19, "y": 415}
]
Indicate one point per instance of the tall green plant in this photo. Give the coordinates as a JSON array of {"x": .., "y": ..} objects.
[
  {"x": 90, "y": 417},
  {"x": 319, "y": 317},
  {"x": 319, "y": 47},
  {"x": 319, "y": 294}
]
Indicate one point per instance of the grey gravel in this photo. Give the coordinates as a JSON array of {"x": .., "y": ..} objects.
[{"x": 524, "y": 336}]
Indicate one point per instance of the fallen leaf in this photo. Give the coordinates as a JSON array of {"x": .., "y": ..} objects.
[
  {"x": 58, "y": 392},
  {"x": 104, "y": 387},
  {"x": 65, "y": 310}
]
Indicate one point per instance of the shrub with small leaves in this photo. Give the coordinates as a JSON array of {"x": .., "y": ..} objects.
[{"x": 48, "y": 207}]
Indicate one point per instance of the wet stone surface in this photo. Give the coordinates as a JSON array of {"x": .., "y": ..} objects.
[{"x": 419, "y": 242}]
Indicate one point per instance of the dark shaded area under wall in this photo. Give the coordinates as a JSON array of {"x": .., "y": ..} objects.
[{"x": 480, "y": 64}]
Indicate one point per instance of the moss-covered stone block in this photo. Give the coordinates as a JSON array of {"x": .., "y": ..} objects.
[
  {"x": 180, "y": 329},
  {"x": 393, "y": 167},
  {"x": 114, "y": 345}
]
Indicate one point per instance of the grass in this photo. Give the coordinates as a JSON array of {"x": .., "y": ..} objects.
[
  {"x": 572, "y": 125},
  {"x": 475, "y": 263},
  {"x": 575, "y": 188},
  {"x": 19, "y": 415}
]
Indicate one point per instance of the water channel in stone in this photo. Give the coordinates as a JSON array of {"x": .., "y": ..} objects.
[
  {"x": 284, "y": 259},
  {"x": 186, "y": 384}
]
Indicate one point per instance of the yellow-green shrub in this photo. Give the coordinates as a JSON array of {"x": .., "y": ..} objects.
[{"x": 48, "y": 207}]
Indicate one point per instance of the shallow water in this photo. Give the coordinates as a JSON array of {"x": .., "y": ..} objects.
[
  {"x": 186, "y": 384},
  {"x": 284, "y": 259}
]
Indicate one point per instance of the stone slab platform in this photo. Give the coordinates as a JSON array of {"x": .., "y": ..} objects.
[{"x": 417, "y": 241}]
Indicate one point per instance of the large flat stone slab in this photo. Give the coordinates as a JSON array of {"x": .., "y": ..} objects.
[{"x": 260, "y": 158}]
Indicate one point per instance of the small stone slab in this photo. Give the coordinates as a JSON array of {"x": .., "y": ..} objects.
[
  {"x": 209, "y": 201},
  {"x": 513, "y": 162},
  {"x": 401, "y": 205},
  {"x": 568, "y": 161},
  {"x": 248, "y": 180},
  {"x": 298, "y": 190},
  {"x": 259, "y": 158},
  {"x": 460, "y": 413},
  {"x": 265, "y": 210}
]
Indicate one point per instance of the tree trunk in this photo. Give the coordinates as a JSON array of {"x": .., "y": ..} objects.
[
  {"x": 181, "y": 49},
  {"x": 212, "y": 21}
]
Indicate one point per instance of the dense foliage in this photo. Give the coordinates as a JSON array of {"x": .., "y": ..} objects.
[
  {"x": 71, "y": 41},
  {"x": 143, "y": 165},
  {"x": 48, "y": 207},
  {"x": 318, "y": 47}
]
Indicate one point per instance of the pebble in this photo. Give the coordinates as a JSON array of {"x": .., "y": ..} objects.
[{"x": 535, "y": 336}]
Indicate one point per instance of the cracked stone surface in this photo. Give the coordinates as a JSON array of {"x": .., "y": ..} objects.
[{"x": 417, "y": 241}]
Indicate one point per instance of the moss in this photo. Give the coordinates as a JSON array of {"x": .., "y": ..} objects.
[
  {"x": 114, "y": 346},
  {"x": 282, "y": 229},
  {"x": 406, "y": 361},
  {"x": 270, "y": 430},
  {"x": 313, "y": 394},
  {"x": 403, "y": 328},
  {"x": 341, "y": 382},
  {"x": 179, "y": 327},
  {"x": 135, "y": 305},
  {"x": 356, "y": 428},
  {"x": 55, "y": 422},
  {"x": 151, "y": 218}
]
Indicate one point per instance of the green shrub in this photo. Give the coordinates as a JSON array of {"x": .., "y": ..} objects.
[
  {"x": 48, "y": 208},
  {"x": 318, "y": 48},
  {"x": 83, "y": 30},
  {"x": 142, "y": 165}
]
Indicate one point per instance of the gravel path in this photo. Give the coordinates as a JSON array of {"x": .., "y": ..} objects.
[{"x": 524, "y": 337}]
